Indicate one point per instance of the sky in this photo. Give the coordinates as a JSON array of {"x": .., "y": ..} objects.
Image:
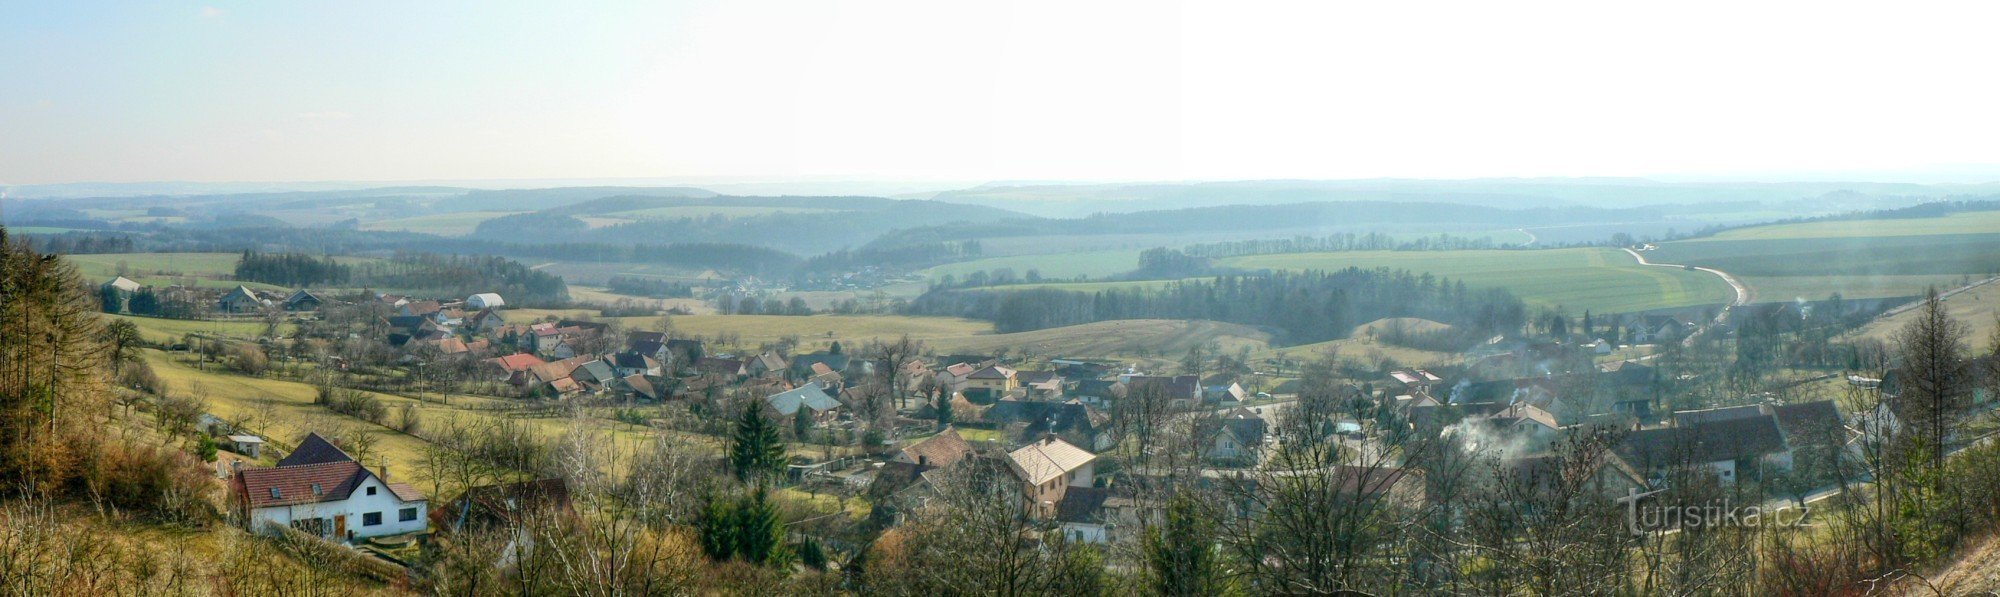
[{"x": 942, "y": 90}]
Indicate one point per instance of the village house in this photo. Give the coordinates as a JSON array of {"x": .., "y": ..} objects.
[
  {"x": 1181, "y": 391},
  {"x": 511, "y": 367},
  {"x": 321, "y": 490},
  {"x": 811, "y": 397},
  {"x": 634, "y": 363},
  {"x": 1041, "y": 385},
  {"x": 242, "y": 300},
  {"x": 303, "y": 300},
  {"x": 1046, "y": 469},
  {"x": 991, "y": 382},
  {"x": 767, "y": 363},
  {"x": 1238, "y": 437}
]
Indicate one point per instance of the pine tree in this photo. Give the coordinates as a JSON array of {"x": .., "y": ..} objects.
[
  {"x": 944, "y": 414},
  {"x": 756, "y": 449}
]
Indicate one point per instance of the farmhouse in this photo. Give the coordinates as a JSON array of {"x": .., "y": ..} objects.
[
  {"x": 303, "y": 300},
  {"x": 242, "y": 300},
  {"x": 320, "y": 490}
]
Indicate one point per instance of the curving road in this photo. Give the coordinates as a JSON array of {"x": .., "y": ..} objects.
[{"x": 1742, "y": 291}]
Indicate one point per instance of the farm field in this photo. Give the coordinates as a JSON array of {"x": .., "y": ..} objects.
[
  {"x": 451, "y": 224},
  {"x": 1063, "y": 266},
  {"x": 1977, "y": 308},
  {"x": 1976, "y": 222},
  {"x": 1857, "y": 266},
  {"x": 1164, "y": 338},
  {"x": 600, "y": 296},
  {"x": 1597, "y": 279}
]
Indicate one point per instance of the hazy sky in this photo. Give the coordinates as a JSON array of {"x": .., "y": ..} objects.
[{"x": 273, "y": 91}]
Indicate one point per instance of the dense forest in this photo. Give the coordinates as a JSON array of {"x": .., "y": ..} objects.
[
  {"x": 290, "y": 269},
  {"x": 1309, "y": 306},
  {"x": 458, "y": 275}
]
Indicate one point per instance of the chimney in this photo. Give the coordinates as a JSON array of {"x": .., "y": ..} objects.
[
  {"x": 384, "y": 469},
  {"x": 923, "y": 460},
  {"x": 1048, "y": 437}
]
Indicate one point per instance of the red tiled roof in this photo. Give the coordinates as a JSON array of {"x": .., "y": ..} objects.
[
  {"x": 288, "y": 485},
  {"x": 516, "y": 362}
]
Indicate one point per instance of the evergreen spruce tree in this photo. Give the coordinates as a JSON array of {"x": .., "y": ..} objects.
[{"x": 756, "y": 450}]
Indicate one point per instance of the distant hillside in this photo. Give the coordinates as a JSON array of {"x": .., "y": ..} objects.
[
  {"x": 1081, "y": 199},
  {"x": 799, "y": 224}
]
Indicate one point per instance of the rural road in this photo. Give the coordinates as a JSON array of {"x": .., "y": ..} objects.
[
  {"x": 1742, "y": 292},
  {"x": 1531, "y": 236}
]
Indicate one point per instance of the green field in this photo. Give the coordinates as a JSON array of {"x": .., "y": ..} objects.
[
  {"x": 1977, "y": 222},
  {"x": 1063, "y": 266},
  {"x": 168, "y": 331},
  {"x": 1600, "y": 280},
  {"x": 451, "y": 224},
  {"x": 1778, "y": 264}
]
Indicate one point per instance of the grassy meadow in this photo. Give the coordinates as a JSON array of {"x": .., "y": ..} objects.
[{"x": 1597, "y": 279}]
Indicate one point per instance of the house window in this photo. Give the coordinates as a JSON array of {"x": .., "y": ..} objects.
[
  {"x": 371, "y": 491},
  {"x": 406, "y": 514},
  {"x": 371, "y": 519}
]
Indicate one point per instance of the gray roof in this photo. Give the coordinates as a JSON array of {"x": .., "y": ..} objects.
[{"x": 810, "y": 395}]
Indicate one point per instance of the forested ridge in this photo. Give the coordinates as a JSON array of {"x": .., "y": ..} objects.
[{"x": 1309, "y": 306}]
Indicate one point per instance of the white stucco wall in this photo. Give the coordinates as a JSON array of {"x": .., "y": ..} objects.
[{"x": 354, "y": 507}]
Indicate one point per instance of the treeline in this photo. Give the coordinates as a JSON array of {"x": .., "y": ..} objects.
[
  {"x": 1310, "y": 306},
  {"x": 1346, "y": 241},
  {"x": 902, "y": 256},
  {"x": 649, "y": 287},
  {"x": 82, "y": 243},
  {"x": 1161, "y": 262},
  {"x": 290, "y": 269},
  {"x": 460, "y": 275}
]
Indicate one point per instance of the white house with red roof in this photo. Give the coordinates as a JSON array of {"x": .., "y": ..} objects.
[{"x": 321, "y": 490}]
